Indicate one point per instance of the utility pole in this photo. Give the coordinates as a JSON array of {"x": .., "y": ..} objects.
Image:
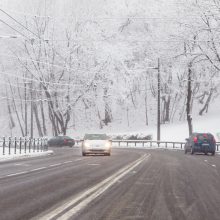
[
  {"x": 25, "y": 107},
  {"x": 31, "y": 106},
  {"x": 158, "y": 101}
]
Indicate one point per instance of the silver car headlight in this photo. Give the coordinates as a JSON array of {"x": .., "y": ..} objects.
[
  {"x": 108, "y": 144},
  {"x": 86, "y": 144}
]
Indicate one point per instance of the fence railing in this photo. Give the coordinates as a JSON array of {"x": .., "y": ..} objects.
[
  {"x": 22, "y": 145},
  {"x": 150, "y": 143}
]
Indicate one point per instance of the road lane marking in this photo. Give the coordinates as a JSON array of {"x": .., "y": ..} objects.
[
  {"x": 15, "y": 174},
  {"x": 206, "y": 160},
  {"x": 84, "y": 198},
  {"x": 213, "y": 165},
  {"x": 78, "y": 159},
  {"x": 67, "y": 162},
  {"x": 94, "y": 164},
  {"x": 40, "y": 168},
  {"x": 54, "y": 165}
]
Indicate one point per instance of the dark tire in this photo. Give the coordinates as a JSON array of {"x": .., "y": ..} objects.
[
  {"x": 185, "y": 151},
  {"x": 213, "y": 153},
  {"x": 206, "y": 153},
  {"x": 83, "y": 154},
  {"x": 192, "y": 151}
]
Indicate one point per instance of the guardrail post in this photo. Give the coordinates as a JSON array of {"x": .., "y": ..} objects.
[
  {"x": 38, "y": 140},
  {"x": 166, "y": 144},
  {"x": 127, "y": 143},
  {"x": 119, "y": 143},
  {"x": 45, "y": 144},
  {"x": 3, "y": 146},
  {"x": 173, "y": 145},
  {"x": 9, "y": 145},
  {"x": 20, "y": 142},
  {"x": 15, "y": 144},
  {"x": 29, "y": 146},
  {"x": 150, "y": 143},
  {"x": 41, "y": 144},
  {"x": 143, "y": 144}
]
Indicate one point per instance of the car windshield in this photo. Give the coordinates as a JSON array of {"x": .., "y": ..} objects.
[
  {"x": 96, "y": 137},
  {"x": 63, "y": 137},
  {"x": 204, "y": 136}
]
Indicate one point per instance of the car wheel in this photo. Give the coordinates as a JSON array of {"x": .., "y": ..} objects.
[
  {"x": 192, "y": 151},
  {"x": 185, "y": 151},
  {"x": 83, "y": 154},
  {"x": 213, "y": 153}
]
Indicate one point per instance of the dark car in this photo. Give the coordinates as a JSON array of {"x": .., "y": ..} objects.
[
  {"x": 59, "y": 141},
  {"x": 200, "y": 142}
]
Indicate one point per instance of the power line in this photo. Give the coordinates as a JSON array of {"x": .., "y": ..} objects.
[
  {"x": 14, "y": 29},
  {"x": 37, "y": 61},
  {"x": 30, "y": 79},
  {"x": 19, "y": 23},
  {"x": 26, "y": 14}
]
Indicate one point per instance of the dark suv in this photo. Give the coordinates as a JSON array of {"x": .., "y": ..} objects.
[
  {"x": 200, "y": 142},
  {"x": 59, "y": 141}
]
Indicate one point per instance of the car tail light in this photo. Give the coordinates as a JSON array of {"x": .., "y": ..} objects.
[
  {"x": 205, "y": 136},
  {"x": 195, "y": 139}
]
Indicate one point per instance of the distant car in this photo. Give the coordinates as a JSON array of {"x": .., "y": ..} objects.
[
  {"x": 200, "y": 142},
  {"x": 60, "y": 141},
  {"x": 96, "y": 144}
]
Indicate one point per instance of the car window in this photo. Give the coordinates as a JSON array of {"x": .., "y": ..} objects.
[
  {"x": 67, "y": 137},
  {"x": 96, "y": 137},
  {"x": 204, "y": 136}
]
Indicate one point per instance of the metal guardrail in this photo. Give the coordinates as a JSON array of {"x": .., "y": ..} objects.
[
  {"x": 150, "y": 143},
  {"x": 14, "y": 145}
]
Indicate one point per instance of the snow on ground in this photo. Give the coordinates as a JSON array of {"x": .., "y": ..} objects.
[{"x": 22, "y": 155}]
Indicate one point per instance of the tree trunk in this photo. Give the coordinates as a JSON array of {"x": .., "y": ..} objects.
[
  {"x": 16, "y": 112},
  {"x": 189, "y": 97},
  {"x": 43, "y": 119},
  {"x": 37, "y": 120},
  {"x": 205, "y": 107},
  {"x": 146, "y": 112}
]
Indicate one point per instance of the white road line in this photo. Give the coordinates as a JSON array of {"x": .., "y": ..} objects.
[
  {"x": 67, "y": 162},
  {"x": 206, "y": 160},
  {"x": 40, "y": 168},
  {"x": 90, "y": 194},
  {"x": 54, "y": 165},
  {"x": 78, "y": 159},
  {"x": 15, "y": 174},
  {"x": 213, "y": 165},
  {"x": 93, "y": 164}
]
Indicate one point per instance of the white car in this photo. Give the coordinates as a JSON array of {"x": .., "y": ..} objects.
[{"x": 96, "y": 144}]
